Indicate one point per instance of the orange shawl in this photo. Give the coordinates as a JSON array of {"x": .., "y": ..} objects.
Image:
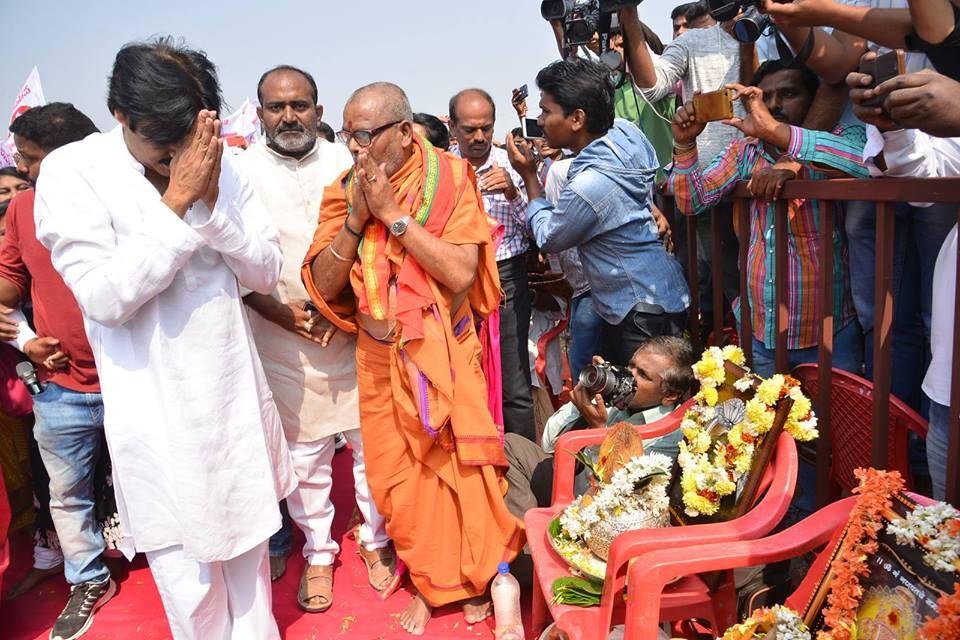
[{"x": 440, "y": 192}]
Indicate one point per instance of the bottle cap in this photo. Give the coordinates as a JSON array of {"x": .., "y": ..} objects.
[{"x": 503, "y": 568}]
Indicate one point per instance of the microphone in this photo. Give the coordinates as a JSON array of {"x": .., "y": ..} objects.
[{"x": 28, "y": 376}]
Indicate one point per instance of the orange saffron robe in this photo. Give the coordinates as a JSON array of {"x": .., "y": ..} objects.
[{"x": 430, "y": 445}]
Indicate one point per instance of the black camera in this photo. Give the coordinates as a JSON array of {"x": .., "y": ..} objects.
[
  {"x": 751, "y": 25},
  {"x": 583, "y": 19},
  {"x": 616, "y": 385}
]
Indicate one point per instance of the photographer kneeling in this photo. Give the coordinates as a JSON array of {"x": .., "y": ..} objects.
[
  {"x": 605, "y": 209},
  {"x": 657, "y": 380}
]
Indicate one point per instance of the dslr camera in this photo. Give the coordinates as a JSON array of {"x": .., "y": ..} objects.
[
  {"x": 616, "y": 385},
  {"x": 582, "y": 19},
  {"x": 751, "y": 25}
]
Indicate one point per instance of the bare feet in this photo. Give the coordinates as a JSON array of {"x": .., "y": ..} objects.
[
  {"x": 32, "y": 579},
  {"x": 477, "y": 609},
  {"x": 415, "y": 617},
  {"x": 278, "y": 567}
]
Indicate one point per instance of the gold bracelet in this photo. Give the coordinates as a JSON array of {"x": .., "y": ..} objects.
[{"x": 337, "y": 255}]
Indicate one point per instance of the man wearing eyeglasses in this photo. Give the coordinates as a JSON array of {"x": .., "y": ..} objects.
[
  {"x": 309, "y": 365},
  {"x": 403, "y": 257},
  {"x": 472, "y": 119}
]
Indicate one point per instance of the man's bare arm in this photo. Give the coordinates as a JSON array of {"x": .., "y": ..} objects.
[
  {"x": 933, "y": 20},
  {"x": 331, "y": 274},
  {"x": 827, "y": 108},
  {"x": 639, "y": 60}
]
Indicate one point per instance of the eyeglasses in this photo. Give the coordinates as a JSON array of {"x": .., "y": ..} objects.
[{"x": 364, "y": 137}]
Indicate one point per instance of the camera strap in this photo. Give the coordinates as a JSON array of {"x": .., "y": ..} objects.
[{"x": 786, "y": 53}]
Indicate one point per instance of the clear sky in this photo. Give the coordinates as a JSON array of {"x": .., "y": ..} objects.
[{"x": 430, "y": 48}]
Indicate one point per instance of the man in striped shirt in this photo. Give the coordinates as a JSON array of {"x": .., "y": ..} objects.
[{"x": 775, "y": 106}]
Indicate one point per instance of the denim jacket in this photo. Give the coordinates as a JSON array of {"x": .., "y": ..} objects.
[{"x": 605, "y": 212}]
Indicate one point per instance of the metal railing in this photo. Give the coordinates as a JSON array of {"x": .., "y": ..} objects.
[{"x": 885, "y": 193}]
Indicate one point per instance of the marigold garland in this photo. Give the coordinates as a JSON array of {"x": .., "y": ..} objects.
[
  {"x": 876, "y": 492},
  {"x": 946, "y": 626},
  {"x": 711, "y": 470}
]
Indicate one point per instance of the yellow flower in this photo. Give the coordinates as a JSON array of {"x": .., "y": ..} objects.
[
  {"x": 801, "y": 406},
  {"x": 699, "y": 504},
  {"x": 725, "y": 487},
  {"x": 734, "y": 354},
  {"x": 710, "y": 396},
  {"x": 702, "y": 443},
  {"x": 734, "y": 435},
  {"x": 758, "y": 416},
  {"x": 769, "y": 390}
]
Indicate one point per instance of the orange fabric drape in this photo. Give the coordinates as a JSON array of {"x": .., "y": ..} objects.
[{"x": 430, "y": 445}]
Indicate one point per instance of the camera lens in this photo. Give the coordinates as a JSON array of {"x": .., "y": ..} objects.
[
  {"x": 555, "y": 9},
  {"x": 593, "y": 379},
  {"x": 751, "y": 26}
]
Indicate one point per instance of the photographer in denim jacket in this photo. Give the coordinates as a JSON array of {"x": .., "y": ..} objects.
[{"x": 606, "y": 209}]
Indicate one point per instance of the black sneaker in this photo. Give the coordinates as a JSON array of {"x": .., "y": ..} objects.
[{"x": 77, "y": 616}]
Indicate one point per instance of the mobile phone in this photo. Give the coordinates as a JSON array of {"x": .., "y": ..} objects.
[
  {"x": 882, "y": 68},
  {"x": 531, "y": 129},
  {"x": 523, "y": 92},
  {"x": 713, "y": 106}
]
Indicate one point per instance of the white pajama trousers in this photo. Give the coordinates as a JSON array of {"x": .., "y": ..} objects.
[
  {"x": 228, "y": 600},
  {"x": 310, "y": 505}
]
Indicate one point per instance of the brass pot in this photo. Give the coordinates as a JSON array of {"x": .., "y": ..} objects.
[{"x": 603, "y": 533}]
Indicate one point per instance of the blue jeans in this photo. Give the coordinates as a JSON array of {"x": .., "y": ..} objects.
[
  {"x": 938, "y": 435},
  {"x": 281, "y": 542},
  {"x": 847, "y": 353},
  {"x": 69, "y": 433},
  {"x": 586, "y": 328},
  {"x": 919, "y": 233}
]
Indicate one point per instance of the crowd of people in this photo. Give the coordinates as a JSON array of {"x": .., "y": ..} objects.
[{"x": 209, "y": 327}]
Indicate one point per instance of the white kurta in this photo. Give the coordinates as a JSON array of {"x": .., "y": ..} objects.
[
  {"x": 199, "y": 458},
  {"x": 315, "y": 387}
]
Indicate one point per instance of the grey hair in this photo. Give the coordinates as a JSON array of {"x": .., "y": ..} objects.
[{"x": 394, "y": 100}]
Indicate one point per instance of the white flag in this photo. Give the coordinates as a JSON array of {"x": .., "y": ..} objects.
[
  {"x": 241, "y": 127},
  {"x": 31, "y": 95}
]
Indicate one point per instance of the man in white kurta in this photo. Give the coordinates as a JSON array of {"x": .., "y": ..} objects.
[
  {"x": 311, "y": 373},
  {"x": 199, "y": 457}
]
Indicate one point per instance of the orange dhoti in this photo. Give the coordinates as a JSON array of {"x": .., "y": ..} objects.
[{"x": 433, "y": 454}]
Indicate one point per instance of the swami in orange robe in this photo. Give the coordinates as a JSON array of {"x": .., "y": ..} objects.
[{"x": 431, "y": 447}]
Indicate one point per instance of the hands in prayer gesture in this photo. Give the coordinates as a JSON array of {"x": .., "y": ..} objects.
[{"x": 195, "y": 166}]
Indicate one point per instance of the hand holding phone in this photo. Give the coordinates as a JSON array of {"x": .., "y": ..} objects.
[
  {"x": 713, "y": 106},
  {"x": 883, "y": 67}
]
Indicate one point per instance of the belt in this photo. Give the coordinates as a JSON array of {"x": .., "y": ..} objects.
[{"x": 646, "y": 307}]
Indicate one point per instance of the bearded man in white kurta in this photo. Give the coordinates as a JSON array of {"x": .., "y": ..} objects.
[
  {"x": 311, "y": 368},
  {"x": 155, "y": 233}
]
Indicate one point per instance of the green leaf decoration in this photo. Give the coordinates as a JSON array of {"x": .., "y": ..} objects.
[{"x": 577, "y": 592}]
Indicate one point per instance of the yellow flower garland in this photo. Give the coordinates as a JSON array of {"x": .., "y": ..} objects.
[{"x": 711, "y": 470}]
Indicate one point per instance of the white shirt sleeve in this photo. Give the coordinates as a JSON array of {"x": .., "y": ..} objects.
[
  {"x": 110, "y": 277},
  {"x": 241, "y": 230},
  {"x": 911, "y": 153},
  {"x": 25, "y": 334}
]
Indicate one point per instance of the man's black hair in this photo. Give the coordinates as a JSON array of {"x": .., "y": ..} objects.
[
  {"x": 680, "y": 10},
  {"x": 697, "y": 11},
  {"x": 437, "y": 132},
  {"x": 452, "y": 107},
  {"x": 53, "y": 125},
  {"x": 326, "y": 131},
  {"x": 287, "y": 67},
  {"x": 160, "y": 86},
  {"x": 810, "y": 79},
  {"x": 581, "y": 84}
]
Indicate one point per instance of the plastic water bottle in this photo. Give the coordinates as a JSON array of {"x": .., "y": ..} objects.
[{"x": 505, "y": 593}]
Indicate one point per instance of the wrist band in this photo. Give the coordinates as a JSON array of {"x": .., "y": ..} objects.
[
  {"x": 356, "y": 234},
  {"x": 337, "y": 255},
  {"x": 684, "y": 147}
]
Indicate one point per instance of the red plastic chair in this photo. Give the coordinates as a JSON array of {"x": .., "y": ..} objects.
[
  {"x": 650, "y": 575},
  {"x": 851, "y": 426},
  {"x": 690, "y": 597}
]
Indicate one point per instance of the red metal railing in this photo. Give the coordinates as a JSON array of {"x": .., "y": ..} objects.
[{"x": 885, "y": 193}]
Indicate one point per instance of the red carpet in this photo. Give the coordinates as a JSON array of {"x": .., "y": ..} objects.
[{"x": 136, "y": 612}]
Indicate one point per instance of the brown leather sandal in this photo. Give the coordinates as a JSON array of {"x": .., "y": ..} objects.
[
  {"x": 386, "y": 557},
  {"x": 316, "y": 588}
]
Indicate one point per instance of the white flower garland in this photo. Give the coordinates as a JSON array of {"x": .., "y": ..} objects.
[
  {"x": 936, "y": 529},
  {"x": 618, "y": 496}
]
